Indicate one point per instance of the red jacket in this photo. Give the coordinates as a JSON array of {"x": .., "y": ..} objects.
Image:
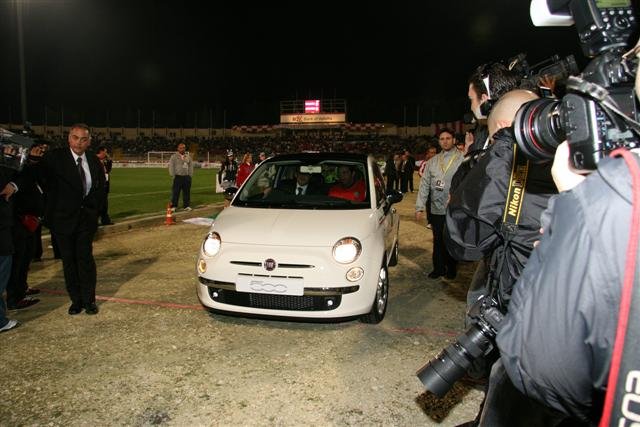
[
  {"x": 357, "y": 192},
  {"x": 243, "y": 172}
]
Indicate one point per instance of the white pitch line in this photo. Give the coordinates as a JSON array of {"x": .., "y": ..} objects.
[{"x": 117, "y": 196}]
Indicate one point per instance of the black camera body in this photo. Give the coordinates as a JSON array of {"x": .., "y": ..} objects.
[
  {"x": 440, "y": 373},
  {"x": 555, "y": 67},
  {"x": 584, "y": 116}
]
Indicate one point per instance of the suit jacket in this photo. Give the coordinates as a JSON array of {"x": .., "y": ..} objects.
[
  {"x": 290, "y": 185},
  {"x": 6, "y": 214},
  {"x": 65, "y": 204}
]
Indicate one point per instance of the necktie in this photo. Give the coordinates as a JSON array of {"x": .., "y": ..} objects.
[
  {"x": 83, "y": 178},
  {"x": 299, "y": 191}
]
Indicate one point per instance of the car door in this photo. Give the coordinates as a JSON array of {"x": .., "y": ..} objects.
[{"x": 384, "y": 211}]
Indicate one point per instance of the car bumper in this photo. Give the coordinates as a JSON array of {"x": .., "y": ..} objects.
[{"x": 323, "y": 292}]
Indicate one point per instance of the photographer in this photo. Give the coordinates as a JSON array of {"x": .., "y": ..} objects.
[
  {"x": 477, "y": 229},
  {"x": 476, "y": 211},
  {"x": 565, "y": 364}
]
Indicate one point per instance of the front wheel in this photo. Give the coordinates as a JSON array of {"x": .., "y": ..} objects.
[{"x": 379, "y": 307}]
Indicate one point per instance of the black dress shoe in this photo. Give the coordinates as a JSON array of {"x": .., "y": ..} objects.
[
  {"x": 435, "y": 274},
  {"x": 75, "y": 309},
  {"x": 91, "y": 308},
  {"x": 451, "y": 275}
]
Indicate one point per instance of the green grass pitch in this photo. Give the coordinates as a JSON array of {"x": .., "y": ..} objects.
[{"x": 143, "y": 191}]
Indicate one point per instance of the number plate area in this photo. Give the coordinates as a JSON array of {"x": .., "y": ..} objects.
[{"x": 270, "y": 285}]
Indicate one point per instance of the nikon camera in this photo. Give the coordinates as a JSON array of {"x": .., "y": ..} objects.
[
  {"x": 585, "y": 118},
  {"x": 593, "y": 116},
  {"x": 442, "y": 372}
]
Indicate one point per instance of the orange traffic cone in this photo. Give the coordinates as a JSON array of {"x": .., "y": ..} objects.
[{"x": 169, "y": 216}]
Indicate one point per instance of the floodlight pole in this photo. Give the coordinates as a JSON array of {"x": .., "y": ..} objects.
[{"x": 23, "y": 79}]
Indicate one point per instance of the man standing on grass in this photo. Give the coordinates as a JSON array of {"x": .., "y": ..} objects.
[{"x": 181, "y": 169}]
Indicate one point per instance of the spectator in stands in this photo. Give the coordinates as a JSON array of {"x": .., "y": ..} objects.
[
  {"x": 181, "y": 169},
  {"x": 245, "y": 168},
  {"x": 107, "y": 164}
]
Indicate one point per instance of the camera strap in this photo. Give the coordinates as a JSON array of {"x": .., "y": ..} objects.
[
  {"x": 510, "y": 218},
  {"x": 622, "y": 400},
  {"x": 515, "y": 193}
]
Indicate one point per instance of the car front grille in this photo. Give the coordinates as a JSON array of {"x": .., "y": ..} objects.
[{"x": 275, "y": 302}]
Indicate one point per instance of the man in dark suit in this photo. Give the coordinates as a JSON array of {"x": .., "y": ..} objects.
[
  {"x": 74, "y": 185},
  {"x": 302, "y": 185},
  {"x": 107, "y": 165}
]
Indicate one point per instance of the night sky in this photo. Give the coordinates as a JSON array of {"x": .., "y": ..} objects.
[{"x": 233, "y": 62}]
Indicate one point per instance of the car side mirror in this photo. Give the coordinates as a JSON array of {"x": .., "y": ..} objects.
[
  {"x": 229, "y": 193},
  {"x": 394, "y": 196}
]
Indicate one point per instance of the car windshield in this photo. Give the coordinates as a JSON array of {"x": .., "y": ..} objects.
[{"x": 292, "y": 184}]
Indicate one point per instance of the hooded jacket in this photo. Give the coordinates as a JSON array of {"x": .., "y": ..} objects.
[
  {"x": 475, "y": 212},
  {"x": 556, "y": 341}
]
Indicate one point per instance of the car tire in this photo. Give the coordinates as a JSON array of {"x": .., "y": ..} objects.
[
  {"x": 394, "y": 255},
  {"x": 380, "y": 300}
]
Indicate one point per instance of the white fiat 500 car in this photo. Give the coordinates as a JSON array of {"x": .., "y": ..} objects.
[{"x": 308, "y": 235}]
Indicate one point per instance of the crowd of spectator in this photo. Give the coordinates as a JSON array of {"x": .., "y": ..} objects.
[{"x": 215, "y": 148}]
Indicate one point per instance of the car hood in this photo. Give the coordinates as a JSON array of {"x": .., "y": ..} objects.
[{"x": 292, "y": 227}]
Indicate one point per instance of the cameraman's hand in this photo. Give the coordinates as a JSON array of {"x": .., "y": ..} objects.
[
  {"x": 563, "y": 174},
  {"x": 548, "y": 82},
  {"x": 8, "y": 191}
]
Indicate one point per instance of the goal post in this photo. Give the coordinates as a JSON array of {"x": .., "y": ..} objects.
[{"x": 159, "y": 157}]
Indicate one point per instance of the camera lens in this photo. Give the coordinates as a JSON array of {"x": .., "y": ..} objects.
[
  {"x": 538, "y": 129},
  {"x": 439, "y": 374}
]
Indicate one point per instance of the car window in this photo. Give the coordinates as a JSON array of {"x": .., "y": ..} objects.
[
  {"x": 378, "y": 183},
  {"x": 325, "y": 184}
]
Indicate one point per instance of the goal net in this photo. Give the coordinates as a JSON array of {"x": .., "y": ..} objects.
[{"x": 159, "y": 157}]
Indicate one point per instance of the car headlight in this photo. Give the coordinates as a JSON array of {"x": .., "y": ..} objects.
[
  {"x": 347, "y": 250},
  {"x": 212, "y": 243}
]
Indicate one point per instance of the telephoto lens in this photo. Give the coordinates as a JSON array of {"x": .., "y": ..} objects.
[
  {"x": 538, "y": 129},
  {"x": 442, "y": 372}
]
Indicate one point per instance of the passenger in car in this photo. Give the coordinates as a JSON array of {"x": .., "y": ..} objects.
[
  {"x": 348, "y": 186},
  {"x": 302, "y": 185}
]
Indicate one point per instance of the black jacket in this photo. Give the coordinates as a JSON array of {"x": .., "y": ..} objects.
[
  {"x": 475, "y": 211},
  {"x": 557, "y": 338},
  {"x": 6, "y": 213},
  {"x": 63, "y": 190},
  {"x": 30, "y": 198}
]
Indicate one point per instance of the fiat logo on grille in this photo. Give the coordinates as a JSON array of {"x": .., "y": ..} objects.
[{"x": 269, "y": 264}]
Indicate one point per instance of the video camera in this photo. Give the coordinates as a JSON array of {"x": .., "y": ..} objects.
[
  {"x": 14, "y": 149},
  {"x": 559, "y": 69},
  {"x": 598, "y": 112},
  {"x": 589, "y": 118}
]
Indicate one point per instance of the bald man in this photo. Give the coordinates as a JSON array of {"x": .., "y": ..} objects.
[
  {"x": 474, "y": 232},
  {"x": 505, "y": 109}
]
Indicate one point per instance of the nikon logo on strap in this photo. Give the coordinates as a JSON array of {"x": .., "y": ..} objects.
[{"x": 515, "y": 194}]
